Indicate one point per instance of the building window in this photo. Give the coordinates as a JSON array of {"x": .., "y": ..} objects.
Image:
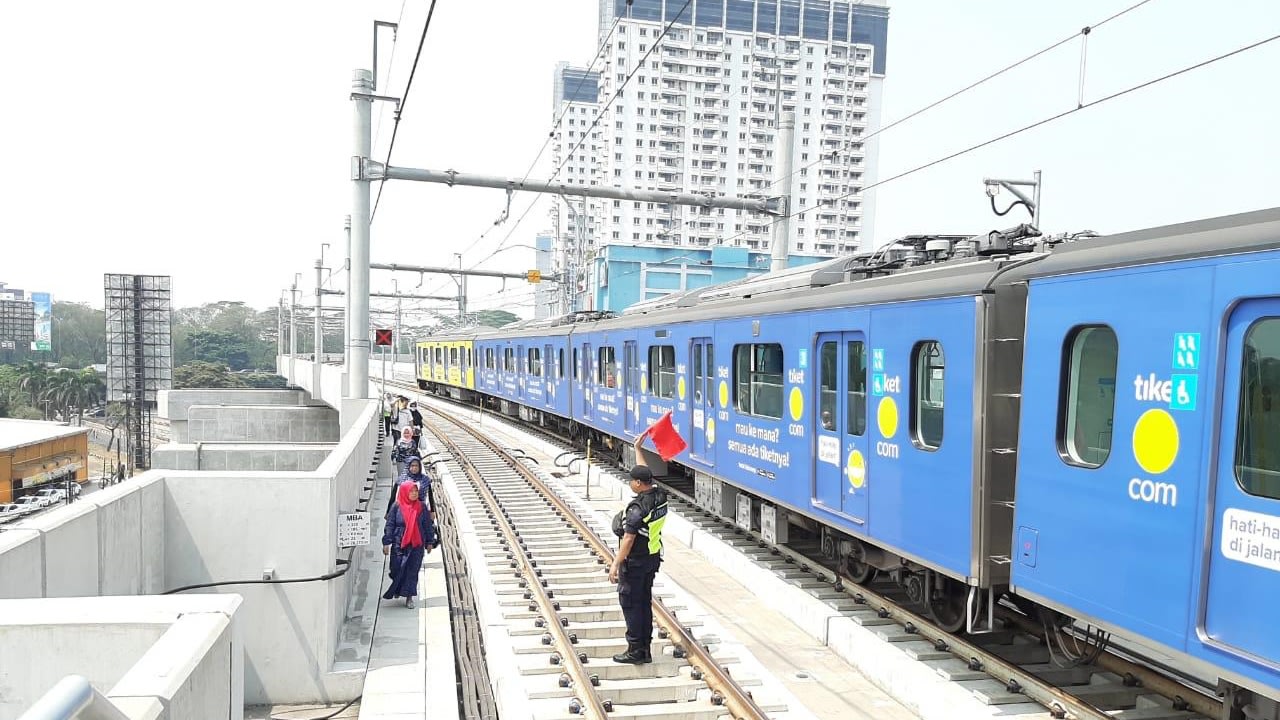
[
  {"x": 1257, "y": 452},
  {"x": 662, "y": 371},
  {"x": 928, "y": 369},
  {"x": 1088, "y": 400},
  {"x": 757, "y": 375}
]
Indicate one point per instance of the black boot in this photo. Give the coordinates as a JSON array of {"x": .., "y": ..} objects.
[{"x": 635, "y": 655}]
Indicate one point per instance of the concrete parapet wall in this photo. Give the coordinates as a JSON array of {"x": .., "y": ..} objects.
[
  {"x": 170, "y": 528},
  {"x": 175, "y": 405},
  {"x": 153, "y": 657},
  {"x": 241, "y": 456},
  {"x": 261, "y": 424}
]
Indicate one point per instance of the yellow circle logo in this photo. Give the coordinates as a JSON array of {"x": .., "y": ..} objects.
[
  {"x": 796, "y": 403},
  {"x": 644, "y": 382},
  {"x": 1155, "y": 441},
  {"x": 887, "y": 416},
  {"x": 711, "y": 430},
  {"x": 856, "y": 469},
  {"x": 680, "y": 387},
  {"x": 724, "y": 394}
]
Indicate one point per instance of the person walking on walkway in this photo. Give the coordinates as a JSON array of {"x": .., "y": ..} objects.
[
  {"x": 409, "y": 535},
  {"x": 639, "y": 554},
  {"x": 387, "y": 402}
]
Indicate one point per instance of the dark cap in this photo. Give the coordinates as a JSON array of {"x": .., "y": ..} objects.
[{"x": 642, "y": 473}]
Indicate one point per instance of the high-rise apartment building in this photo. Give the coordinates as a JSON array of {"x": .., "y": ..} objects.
[
  {"x": 576, "y": 152},
  {"x": 699, "y": 115}
]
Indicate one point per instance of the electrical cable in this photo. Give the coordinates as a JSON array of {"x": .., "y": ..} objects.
[
  {"x": 1083, "y": 32},
  {"x": 391, "y": 66},
  {"x": 404, "y": 100},
  {"x": 616, "y": 95},
  {"x": 1031, "y": 126}
]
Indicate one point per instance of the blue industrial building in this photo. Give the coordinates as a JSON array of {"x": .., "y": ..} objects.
[{"x": 628, "y": 274}]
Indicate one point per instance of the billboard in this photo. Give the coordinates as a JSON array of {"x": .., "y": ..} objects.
[{"x": 44, "y": 321}]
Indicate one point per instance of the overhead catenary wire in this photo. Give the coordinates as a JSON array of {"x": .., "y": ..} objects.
[
  {"x": 404, "y": 100},
  {"x": 1023, "y": 129},
  {"x": 587, "y": 134},
  {"x": 1083, "y": 32}
]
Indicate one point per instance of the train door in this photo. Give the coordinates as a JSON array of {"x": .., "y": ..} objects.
[
  {"x": 840, "y": 470},
  {"x": 630, "y": 386},
  {"x": 588, "y": 379},
  {"x": 1244, "y": 559},
  {"x": 548, "y": 377},
  {"x": 702, "y": 368}
]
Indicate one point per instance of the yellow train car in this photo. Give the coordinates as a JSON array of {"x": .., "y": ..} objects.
[{"x": 447, "y": 360}]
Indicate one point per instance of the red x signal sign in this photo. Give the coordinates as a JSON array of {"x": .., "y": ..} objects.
[{"x": 382, "y": 338}]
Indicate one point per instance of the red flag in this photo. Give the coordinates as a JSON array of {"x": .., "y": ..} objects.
[{"x": 665, "y": 438}]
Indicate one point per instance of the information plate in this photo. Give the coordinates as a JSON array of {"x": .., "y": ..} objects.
[{"x": 353, "y": 529}]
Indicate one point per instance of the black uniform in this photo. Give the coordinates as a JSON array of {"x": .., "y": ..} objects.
[{"x": 644, "y": 516}]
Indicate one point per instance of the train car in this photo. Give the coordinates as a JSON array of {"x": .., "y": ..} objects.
[
  {"x": 525, "y": 369},
  {"x": 769, "y": 381},
  {"x": 1148, "y": 498},
  {"x": 446, "y": 364}
]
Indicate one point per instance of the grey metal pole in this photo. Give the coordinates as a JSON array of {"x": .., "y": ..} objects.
[
  {"x": 280, "y": 328},
  {"x": 1035, "y": 216},
  {"x": 374, "y": 170},
  {"x": 358, "y": 275},
  {"x": 395, "y": 338},
  {"x": 293, "y": 331},
  {"x": 346, "y": 303},
  {"x": 318, "y": 350},
  {"x": 782, "y": 227},
  {"x": 580, "y": 261}
]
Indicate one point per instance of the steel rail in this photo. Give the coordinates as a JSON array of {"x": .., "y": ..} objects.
[
  {"x": 738, "y": 701},
  {"x": 592, "y": 705},
  {"x": 1058, "y": 701}
]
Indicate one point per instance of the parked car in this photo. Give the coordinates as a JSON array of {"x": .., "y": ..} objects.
[
  {"x": 32, "y": 503},
  {"x": 11, "y": 511}
]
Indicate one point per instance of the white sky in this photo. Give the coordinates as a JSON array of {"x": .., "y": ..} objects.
[{"x": 211, "y": 141}]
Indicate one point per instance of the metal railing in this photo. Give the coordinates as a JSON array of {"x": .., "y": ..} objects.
[{"x": 73, "y": 697}]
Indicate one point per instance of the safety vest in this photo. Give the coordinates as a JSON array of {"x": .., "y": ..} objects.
[{"x": 653, "y": 516}]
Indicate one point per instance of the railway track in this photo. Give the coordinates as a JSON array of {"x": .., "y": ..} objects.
[
  {"x": 1010, "y": 667},
  {"x": 550, "y": 573}
]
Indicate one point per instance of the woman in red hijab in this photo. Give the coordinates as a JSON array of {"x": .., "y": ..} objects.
[{"x": 409, "y": 534}]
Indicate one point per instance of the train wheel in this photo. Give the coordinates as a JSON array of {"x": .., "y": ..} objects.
[
  {"x": 947, "y": 602},
  {"x": 856, "y": 565}
]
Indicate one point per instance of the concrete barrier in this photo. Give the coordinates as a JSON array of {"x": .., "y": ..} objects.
[
  {"x": 175, "y": 404},
  {"x": 261, "y": 424},
  {"x": 169, "y": 528},
  {"x": 241, "y": 456},
  {"x": 153, "y": 657}
]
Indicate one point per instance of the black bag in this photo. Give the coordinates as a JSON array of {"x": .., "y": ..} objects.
[{"x": 617, "y": 523}]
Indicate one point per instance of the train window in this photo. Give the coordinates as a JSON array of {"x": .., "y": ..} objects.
[
  {"x": 560, "y": 364},
  {"x": 534, "y": 365},
  {"x": 607, "y": 369},
  {"x": 453, "y": 357},
  {"x": 757, "y": 376},
  {"x": 488, "y": 358},
  {"x": 1089, "y": 396},
  {"x": 828, "y": 359},
  {"x": 856, "y": 401},
  {"x": 575, "y": 363},
  {"x": 1257, "y": 452},
  {"x": 662, "y": 370},
  {"x": 631, "y": 361},
  {"x": 928, "y": 368},
  {"x": 697, "y": 374},
  {"x": 508, "y": 360}
]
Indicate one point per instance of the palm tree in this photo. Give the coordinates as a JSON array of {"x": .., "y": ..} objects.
[
  {"x": 74, "y": 389},
  {"x": 32, "y": 379}
]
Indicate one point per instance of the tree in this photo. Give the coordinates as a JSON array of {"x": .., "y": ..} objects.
[
  {"x": 69, "y": 389},
  {"x": 199, "y": 374},
  {"x": 79, "y": 335},
  {"x": 219, "y": 346},
  {"x": 495, "y": 318}
]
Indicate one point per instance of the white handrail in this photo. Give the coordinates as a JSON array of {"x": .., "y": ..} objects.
[{"x": 73, "y": 697}]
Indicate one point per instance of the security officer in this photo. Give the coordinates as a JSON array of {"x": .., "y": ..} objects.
[{"x": 639, "y": 555}]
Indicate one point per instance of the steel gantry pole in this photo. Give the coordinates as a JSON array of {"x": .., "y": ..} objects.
[
  {"x": 317, "y": 349},
  {"x": 280, "y": 333},
  {"x": 358, "y": 274},
  {"x": 782, "y": 226},
  {"x": 346, "y": 304},
  {"x": 293, "y": 328}
]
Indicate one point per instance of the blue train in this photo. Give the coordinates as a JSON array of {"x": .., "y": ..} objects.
[{"x": 1089, "y": 428}]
